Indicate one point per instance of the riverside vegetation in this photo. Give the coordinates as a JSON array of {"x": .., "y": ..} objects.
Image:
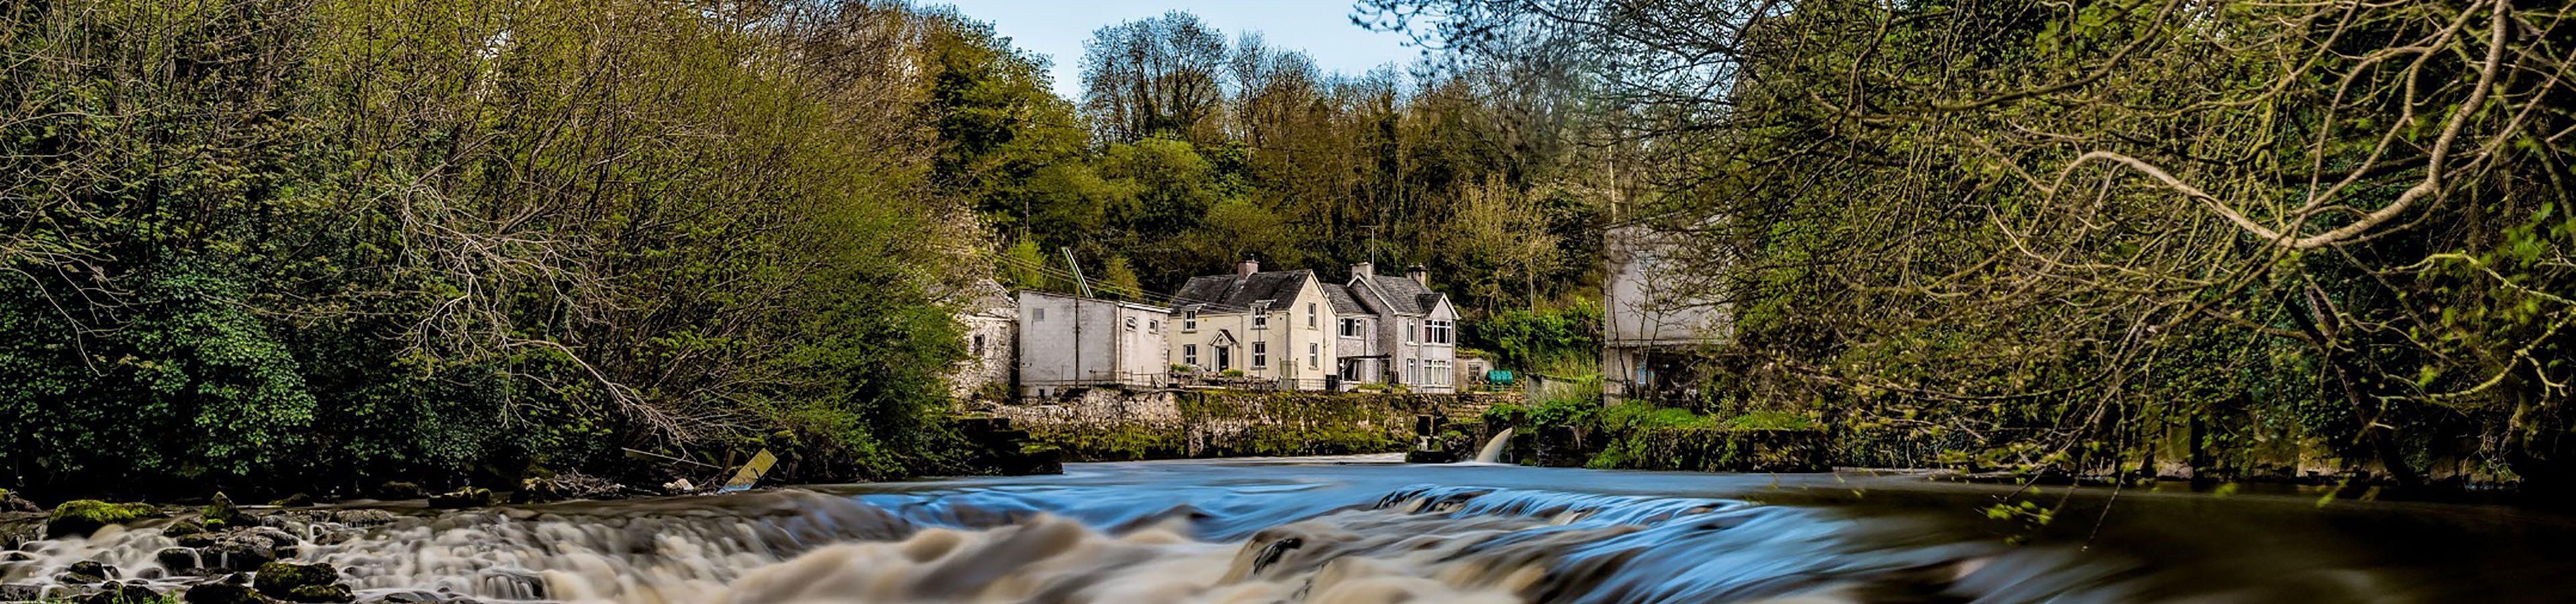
[
  {"x": 384, "y": 247},
  {"x": 2057, "y": 233}
]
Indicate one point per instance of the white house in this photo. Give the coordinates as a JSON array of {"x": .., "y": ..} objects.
[
  {"x": 1655, "y": 318},
  {"x": 1068, "y": 341},
  {"x": 1267, "y": 325},
  {"x": 1415, "y": 342}
]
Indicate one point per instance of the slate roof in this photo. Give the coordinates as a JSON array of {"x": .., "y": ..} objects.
[
  {"x": 1403, "y": 294},
  {"x": 1236, "y": 293},
  {"x": 1344, "y": 302}
]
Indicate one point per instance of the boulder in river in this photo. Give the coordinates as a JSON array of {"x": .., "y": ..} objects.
[
  {"x": 468, "y": 497},
  {"x": 236, "y": 552},
  {"x": 182, "y": 528},
  {"x": 178, "y": 560},
  {"x": 294, "y": 582},
  {"x": 222, "y": 593},
  {"x": 86, "y": 571},
  {"x": 122, "y": 593},
  {"x": 80, "y": 517},
  {"x": 222, "y": 513}
]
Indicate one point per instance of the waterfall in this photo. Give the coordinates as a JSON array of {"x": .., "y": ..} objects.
[{"x": 1493, "y": 451}]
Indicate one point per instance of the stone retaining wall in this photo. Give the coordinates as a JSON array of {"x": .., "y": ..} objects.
[{"x": 1112, "y": 424}]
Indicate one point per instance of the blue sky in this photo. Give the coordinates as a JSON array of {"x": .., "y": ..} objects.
[{"x": 1321, "y": 28}]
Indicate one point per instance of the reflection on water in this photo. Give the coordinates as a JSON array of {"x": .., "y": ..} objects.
[{"x": 1329, "y": 530}]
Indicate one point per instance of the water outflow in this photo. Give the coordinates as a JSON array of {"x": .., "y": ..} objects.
[{"x": 1493, "y": 451}]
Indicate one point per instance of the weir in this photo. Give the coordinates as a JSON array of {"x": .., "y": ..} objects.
[{"x": 1345, "y": 530}]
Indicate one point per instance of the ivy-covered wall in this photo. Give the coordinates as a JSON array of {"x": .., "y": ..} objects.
[{"x": 1109, "y": 425}]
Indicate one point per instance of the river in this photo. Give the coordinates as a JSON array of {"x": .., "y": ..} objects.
[{"x": 1363, "y": 529}]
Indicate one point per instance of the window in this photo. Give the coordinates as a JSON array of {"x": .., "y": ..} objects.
[
  {"x": 1260, "y": 355},
  {"x": 1350, "y": 371},
  {"x": 1350, "y": 328},
  {"x": 1041, "y": 313},
  {"x": 1190, "y": 320},
  {"x": 1413, "y": 371},
  {"x": 1260, "y": 316},
  {"x": 1190, "y": 355},
  {"x": 1411, "y": 335},
  {"x": 1440, "y": 332},
  {"x": 979, "y": 344},
  {"x": 1153, "y": 326},
  {"x": 1131, "y": 324},
  {"x": 1314, "y": 355},
  {"x": 1310, "y": 314}
]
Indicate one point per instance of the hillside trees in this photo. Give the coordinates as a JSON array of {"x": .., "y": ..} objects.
[
  {"x": 313, "y": 245},
  {"x": 1205, "y": 151}
]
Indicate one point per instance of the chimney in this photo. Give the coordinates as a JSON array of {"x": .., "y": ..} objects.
[
  {"x": 1247, "y": 266},
  {"x": 1419, "y": 275},
  {"x": 1363, "y": 269}
]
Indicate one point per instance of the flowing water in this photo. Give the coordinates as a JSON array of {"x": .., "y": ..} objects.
[
  {"x": 1363, "y": 530},
  {"x": 1493, "y": 451}
]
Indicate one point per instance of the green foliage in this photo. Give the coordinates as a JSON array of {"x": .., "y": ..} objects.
[
  {"x": 302, "y": 247},
  {"x": 1542, "y": 339}
]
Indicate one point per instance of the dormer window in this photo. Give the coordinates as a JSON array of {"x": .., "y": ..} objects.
[
  {"x": 1260, "y": 316},
  {"x": 1190, "y": 320}
]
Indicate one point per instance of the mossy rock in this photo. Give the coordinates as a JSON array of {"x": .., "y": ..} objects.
[
  {"x": 86, "y": 571},
  {"x": 122, "y": 593},
  {"x": 79, "y": 518},
  {"x": 223, "y": 593},
  {"x": 316, "y": 582},
  {"x": 183, "y": 528},
  {"x": 321, "y": 594},
  {"x": 221, "y": 512}
]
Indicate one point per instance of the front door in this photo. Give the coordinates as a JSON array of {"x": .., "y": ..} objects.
[{"x": 1224, "y": 358}]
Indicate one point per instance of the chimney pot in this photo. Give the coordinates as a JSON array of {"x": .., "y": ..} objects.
[
  {"x": 1247, "y": 267},
  {"x": 1419, "y": 274}
]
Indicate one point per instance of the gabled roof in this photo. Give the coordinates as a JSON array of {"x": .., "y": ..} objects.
[
  {"x": 1345, "y": 303},
  {"x": 1403, "y": 295},
  {"x": 1236, "y": 293}
]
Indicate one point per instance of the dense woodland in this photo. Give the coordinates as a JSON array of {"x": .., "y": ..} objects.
[
  {"x": 281, "y": 246},
  {"x": 2057, "y": 232}
]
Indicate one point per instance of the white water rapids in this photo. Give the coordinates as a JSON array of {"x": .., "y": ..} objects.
[{"x": 1200, "y": 532}]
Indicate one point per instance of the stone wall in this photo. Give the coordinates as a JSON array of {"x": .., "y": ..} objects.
[{"x": 1114, "y": 424}]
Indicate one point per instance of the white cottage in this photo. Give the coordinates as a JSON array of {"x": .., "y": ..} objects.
[{"x": 1273, "y": 325}]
